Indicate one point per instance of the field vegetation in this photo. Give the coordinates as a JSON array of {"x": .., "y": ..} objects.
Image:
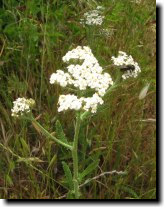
[{"x": 34, "y": 36}]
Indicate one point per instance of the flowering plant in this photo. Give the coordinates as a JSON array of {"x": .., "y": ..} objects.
[{"x": 84, "y": 77}]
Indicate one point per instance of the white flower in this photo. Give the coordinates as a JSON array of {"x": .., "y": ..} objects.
[
  {"x": 107, "y": 32},
  {"x": 100, "y": 8},
  {"x": 124, "y": 59},
  {"x": 136, "y": 1},
  {"x": 72, "y": 102},
  {"x": 69, "y": 101},
  {"x": 22, "y": 106},
  {"x": 91, "y": 103},
  {"x": 93, "y": 17},
  {"x": 60, "y": 77},
  {"x": 87, "y": 75}
]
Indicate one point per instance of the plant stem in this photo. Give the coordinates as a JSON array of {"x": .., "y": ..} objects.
[
  {"x": 46, "y": 133},
  {"x": 75, "y": 157}
]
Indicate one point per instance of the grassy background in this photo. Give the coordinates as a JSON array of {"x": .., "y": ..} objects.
[{"x": 34, "y": 35}]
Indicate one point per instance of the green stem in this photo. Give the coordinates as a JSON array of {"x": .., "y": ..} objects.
[
  {"x": 46, "y": 133},
  {"x": 75, "y": 157}
]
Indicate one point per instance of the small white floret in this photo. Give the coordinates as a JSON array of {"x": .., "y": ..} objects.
[{"x": 22, "y": 106}]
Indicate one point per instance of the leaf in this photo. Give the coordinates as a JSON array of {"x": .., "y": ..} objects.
[
  {"x": 24, "y": 146},
  {"x": 14, "y": 83},
  {"x": 37, "y": 128},
  {"x": 68, "y": 175},
  {"x": 70, "y": 195},
  {"x": 30, "y": 159},
  {"x": 144, "y": 91},
  {"x": 12, "y": 31},
  {"x": 89, "y": 169},
  {"x": 52, "y": 162},
  {"x": 130, "y": 191},
  {"x": 56, "y": 34},
  {"x": 59, "y": 132},
  {"x": 9, "y": 180},
  {"x": 11, "y": 166}
]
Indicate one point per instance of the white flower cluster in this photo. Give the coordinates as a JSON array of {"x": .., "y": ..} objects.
[
  {"x": 71, "y": 102},
  {"x": 136, "y": 1},
  {"x": 89, "y": 74},
  {"x": 22, "y": 106},
  {"x": 93, "y": 17},
  {"x": 92, "y": 102},
  {"x": 124, "y": 59},
  {"x": 107, "y": 32},
  {"x": 60, "y": 77}
]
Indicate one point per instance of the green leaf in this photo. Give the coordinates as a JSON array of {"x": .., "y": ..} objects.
[
  {"x": 25, "y": 146},
  {"x": 9, "y": 180},
  {"x": 30, "y": 159},
  {"x": 11, "y": 31},
  {"x": 52, "y": 162},
  {"x": 11, "y": 166},
  {"x": 68, "y": 175},
  {"x": 59, "y": 132},
  {"x": 130, "y": 191},
  {"x": 70, "y": 195},
  {"x": 89, "y": 169}
]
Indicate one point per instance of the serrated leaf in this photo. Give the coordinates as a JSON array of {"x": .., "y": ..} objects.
[
  {"x": 89, "y": 169},
  {"x": 130, "y": 191},
  {"x": 68, "y": 175},
  {"x": 59, "y": 132}
]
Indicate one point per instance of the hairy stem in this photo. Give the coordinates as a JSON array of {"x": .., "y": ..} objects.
[{"x": 75, "y": 157}]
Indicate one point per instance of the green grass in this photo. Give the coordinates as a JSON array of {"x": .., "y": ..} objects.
[{"x": 34, "y": 35}]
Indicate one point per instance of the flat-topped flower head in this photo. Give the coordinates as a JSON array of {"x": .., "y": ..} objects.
[
  {"x": 93, "y": 17},
  {"x": 72, "y": 102},
  {"x": 91, "y": 103},
  {"x": 88, "y": 75},
  {"x": 124, "y": 60},
  {"x": 22, "y": 106},
  {"x": 69, "y": 102},
  {"x": 60, "y": 77}
]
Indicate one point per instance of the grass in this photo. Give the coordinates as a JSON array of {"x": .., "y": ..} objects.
[{"x": 34, "y": 35}]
